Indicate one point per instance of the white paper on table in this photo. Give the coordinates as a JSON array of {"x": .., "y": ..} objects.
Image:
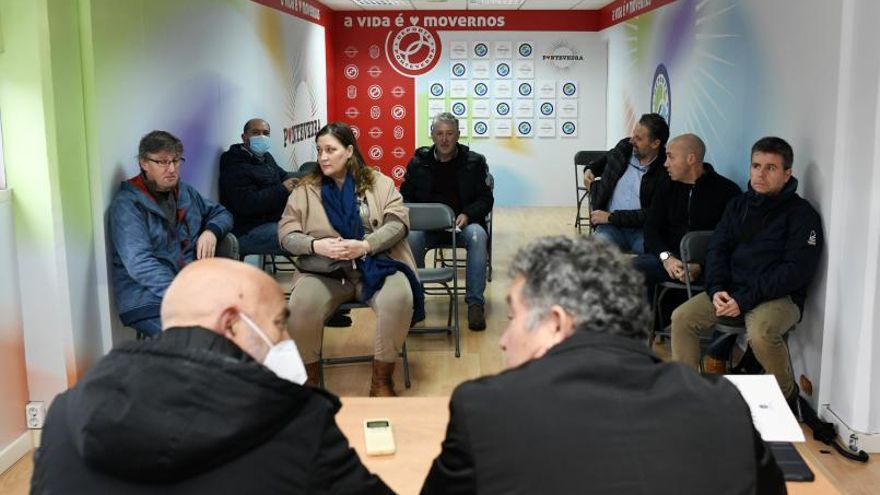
[{"x": 770, "y": 413}]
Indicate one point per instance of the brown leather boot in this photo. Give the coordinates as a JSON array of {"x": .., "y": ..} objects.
[
  {"x": 313, "y": 374},
  {"x": 712, "y": 366},
  {"x": 381, "y": 384}
]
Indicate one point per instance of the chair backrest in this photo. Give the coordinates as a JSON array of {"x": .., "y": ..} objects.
[
  {"x": 694, "y": 246},
  {"x": 430, "y": 216},
  {"x": 228, "y": 247},
  {"x": 585, "y": 157}
]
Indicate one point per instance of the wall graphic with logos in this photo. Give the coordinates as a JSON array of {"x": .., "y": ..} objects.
[{"x": 526, "y": 99}]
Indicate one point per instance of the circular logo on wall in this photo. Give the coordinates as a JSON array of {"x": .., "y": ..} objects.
[
  {"x": 546, "y": 108},
  {"x": 502, "y": 109},
  {"x": 480, "y": 49},
  {"x": 351, "y": 92},
  {"x": 569, "y": 89},
  {"x": 398, "y": 91},
  {"x": 398, "y": 172},
  {"x": 375, "y": 112},
  {"x": 480, "y": 128},
  {"x": 503, "y": 69},
  {"x": 525, "y": 50},
  {"x": 398, "y": 132},
  {"x": 375, "y": 51},
  {"x": 437, "y": 89},
  {"x": 524, "y": 128},
  {"x": 352, "y": 112},
  {"x": 374, "y": 71},
  {"x": 375, "y": 132},
  {"x": 525, "y": 89},
  {"x": 458, "y": 108},
  {"x": 458, "y": 69},
  {"x": 568, "y": 128},
  {"x": 398, "y": 112},
  {"x": 398, "y": 152},
  {"x": 356, "y": 131},
  {"x": 376, "y": 152},
  {"x": 351, "y": 51},
  {"x": 480, "y": 89},
  {"x": 351, "y": 71},
  {"x": 661, "y": 94},
  {"x": 412, "y": 51},
  {"x": 374, "y": 92}
]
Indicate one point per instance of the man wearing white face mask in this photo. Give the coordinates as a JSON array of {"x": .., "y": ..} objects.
[
  {"x": 196, "y": 411},
  {"x": 255, "y": 189}
]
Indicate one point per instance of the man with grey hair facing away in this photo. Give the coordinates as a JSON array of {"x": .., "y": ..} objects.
[{"x": 585, "y": 406}]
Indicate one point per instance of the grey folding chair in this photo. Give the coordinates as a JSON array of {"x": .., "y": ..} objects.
[
  {"x": 442, "y": 279},
  {"x": 693, "y": 249},
  {"x": 228, "y": 247},
  {"x": 439, "y": 252},
  {"x": 581, "y": 160}
]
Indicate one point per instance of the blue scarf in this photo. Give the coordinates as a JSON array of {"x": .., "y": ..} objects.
[{"x": 342, "y": 210}]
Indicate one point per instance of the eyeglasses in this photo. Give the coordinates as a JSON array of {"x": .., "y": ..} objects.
[{"x": 165, "y": 164}]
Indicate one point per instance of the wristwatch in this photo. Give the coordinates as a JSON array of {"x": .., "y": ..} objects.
[{"x": 665, "y": 256}]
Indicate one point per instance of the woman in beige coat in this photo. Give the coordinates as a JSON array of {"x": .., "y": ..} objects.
[{"x": 347, "y": 225}]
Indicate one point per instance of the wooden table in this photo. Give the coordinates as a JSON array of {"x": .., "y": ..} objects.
[{"x": 419, "y": 425}]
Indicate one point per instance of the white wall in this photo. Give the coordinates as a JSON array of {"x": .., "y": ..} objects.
[{"x": 851, "y": 375}]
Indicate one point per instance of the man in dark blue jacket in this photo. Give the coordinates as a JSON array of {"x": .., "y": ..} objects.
[
  {"x": 255, "y": 189},
  {"x": 158, "y": 224},
  {"x": 761, "y": 259},
  {"x": 630, "y": 174}
]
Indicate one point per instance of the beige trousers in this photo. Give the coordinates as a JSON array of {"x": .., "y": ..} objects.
[
  {"x": 315, "y": 297},
  {"x": 766, "y": 324}
]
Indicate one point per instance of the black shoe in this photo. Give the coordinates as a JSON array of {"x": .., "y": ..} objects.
[
  {"x": 339, "y": 319},
  {"x": 476, "y": 317}
]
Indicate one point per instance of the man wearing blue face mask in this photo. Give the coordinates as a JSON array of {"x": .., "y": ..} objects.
[
  {"x": 255, "y": 189},
  {"x": 214, "y": 406}
]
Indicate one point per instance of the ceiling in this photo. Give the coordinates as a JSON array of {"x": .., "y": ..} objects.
[{"x": 374, "y": 5}]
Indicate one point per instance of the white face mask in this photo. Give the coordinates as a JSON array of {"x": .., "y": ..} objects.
[{"x": 283, "y": 358}]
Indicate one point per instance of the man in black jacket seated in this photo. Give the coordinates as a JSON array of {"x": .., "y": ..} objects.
[
  {"x": 196, "y": 411},
  {"x": 761, "y": 259},
  {"x": 630, "y": 173},
  {"x": 255, "y": 189},
  {"x": 452, "y": 174},
  {"x": 692, "y": 198},
  {"x": 586, "y": 407}
]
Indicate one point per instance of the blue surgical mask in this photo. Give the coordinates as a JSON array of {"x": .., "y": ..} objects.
[{"x": 259, "y": 144}]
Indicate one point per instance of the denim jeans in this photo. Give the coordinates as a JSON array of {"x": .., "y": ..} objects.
[
  {"x": 262, "y": 239},
  {"x": 474, "y": 239},
  {"x": 629, "y": 240}
]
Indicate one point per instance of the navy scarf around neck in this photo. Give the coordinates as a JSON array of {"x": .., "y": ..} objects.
[{"x": 342, "y": 210}]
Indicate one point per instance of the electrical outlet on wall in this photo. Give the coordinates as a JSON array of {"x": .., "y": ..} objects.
[{"x": 35, "y": 414}]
